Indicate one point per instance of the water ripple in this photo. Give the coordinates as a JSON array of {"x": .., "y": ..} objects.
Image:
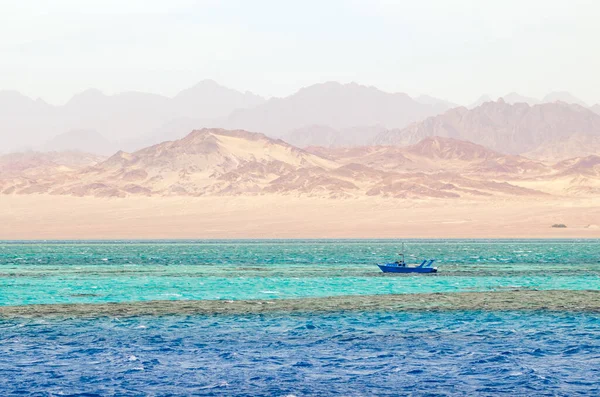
[{"x": 462, "y": 353}]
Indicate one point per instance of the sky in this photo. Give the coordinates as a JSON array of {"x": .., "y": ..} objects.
[{"x": 452, "y": 49}]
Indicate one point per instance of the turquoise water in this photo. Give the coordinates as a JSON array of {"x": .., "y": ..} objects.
[
  {"x": 359, "y": 352},
  {"x": 93, "y": 272}
]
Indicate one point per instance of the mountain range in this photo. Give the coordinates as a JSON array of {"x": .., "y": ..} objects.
[
  {"x": 217, "y": 162},
  {"x": 335, "y": 105},
  {"x": 86, "y": 141},
  {"x": 329, "y": 114},
  {"x": 119, "y": 119},
  {"x": 514, "y": 97},
  {"x": 322, "y": 135},
  {"x": 514, "y": 129},
  {"x": 133, "y": 120},
  {"x": 350, "y": 115}
]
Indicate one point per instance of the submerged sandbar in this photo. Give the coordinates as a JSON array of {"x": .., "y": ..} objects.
[{"x": 513, "y": 300}]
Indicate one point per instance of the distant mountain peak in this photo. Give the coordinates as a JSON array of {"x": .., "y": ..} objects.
[
  {"x": 211, "y": 99},
  {"x": 506, "y": 128},
  {"x": 480, "y": 101},
  {"x": 205, "y": 84},
  {"x": 10, "y": 98},
  {"x": 89, "y": 97},
  {"x": 343, "y": 88},
  {"x": 514, "y": 97},
  {"x": 208, "y": 82},
  {"x": 208, "y": 132},
  {"x": 90, "y": 92},
  {"x": 563, "y": 96},
  {"x": 13, "y": 93},
  {"x": 335, "y": 105}
]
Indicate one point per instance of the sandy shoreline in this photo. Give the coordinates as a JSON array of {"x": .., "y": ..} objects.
[{"x": 65, "y": 217}]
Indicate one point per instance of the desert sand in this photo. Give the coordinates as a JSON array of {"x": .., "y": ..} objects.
[
  {"x": 277, "y": 216},
  {"x": 238, "y": 184}
]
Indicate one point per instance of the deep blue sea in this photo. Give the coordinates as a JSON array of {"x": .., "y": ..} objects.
[{"x": 351, "y": 353}]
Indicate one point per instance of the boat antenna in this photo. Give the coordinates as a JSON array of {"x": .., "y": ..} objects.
[{"x": 402, "y": 253}]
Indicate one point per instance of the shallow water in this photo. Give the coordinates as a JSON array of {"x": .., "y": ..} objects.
[
  {"x": 76, "y": 272},
  {"x": 299, "y": 318}
]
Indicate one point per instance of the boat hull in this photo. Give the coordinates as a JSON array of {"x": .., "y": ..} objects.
[{"x": 406, "y": 269}]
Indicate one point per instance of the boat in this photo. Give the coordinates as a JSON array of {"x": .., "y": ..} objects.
[{"x": 400, "y": 266}]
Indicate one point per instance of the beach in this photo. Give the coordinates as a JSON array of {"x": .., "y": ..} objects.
[{"x": 280, "y": 216}]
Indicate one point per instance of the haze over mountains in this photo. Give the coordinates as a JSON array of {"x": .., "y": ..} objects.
[
  {"x": 506, "y": 128},
  {"x": 328, "y": 140},
  {"x": 322, "y": 135},
  {"x": 119, "y": 119},
  {"x": 328, "y": 114},
  {"x": 335, "y": 105},
  {"x": 557, "y": 96},
  {"x": 87, "y": 141},
  {"x": 514, "y": 97}
]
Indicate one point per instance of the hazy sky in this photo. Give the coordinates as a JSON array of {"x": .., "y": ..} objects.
[{"x": 455, "y": 50}]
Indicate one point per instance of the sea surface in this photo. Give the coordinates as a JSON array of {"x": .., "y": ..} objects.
[{"x": 358, "y": 350}]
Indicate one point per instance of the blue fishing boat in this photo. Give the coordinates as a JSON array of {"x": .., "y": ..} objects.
[{"x": 401, "y": 267}]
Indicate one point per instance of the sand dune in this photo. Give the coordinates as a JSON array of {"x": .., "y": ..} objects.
[
  {"x": 218, "y": 183},
  {"x": 576, "y": 145},
  {"x": 220, "y": 163}
]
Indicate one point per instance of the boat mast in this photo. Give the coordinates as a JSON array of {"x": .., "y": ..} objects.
[{"x": 402, "y": 253}]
